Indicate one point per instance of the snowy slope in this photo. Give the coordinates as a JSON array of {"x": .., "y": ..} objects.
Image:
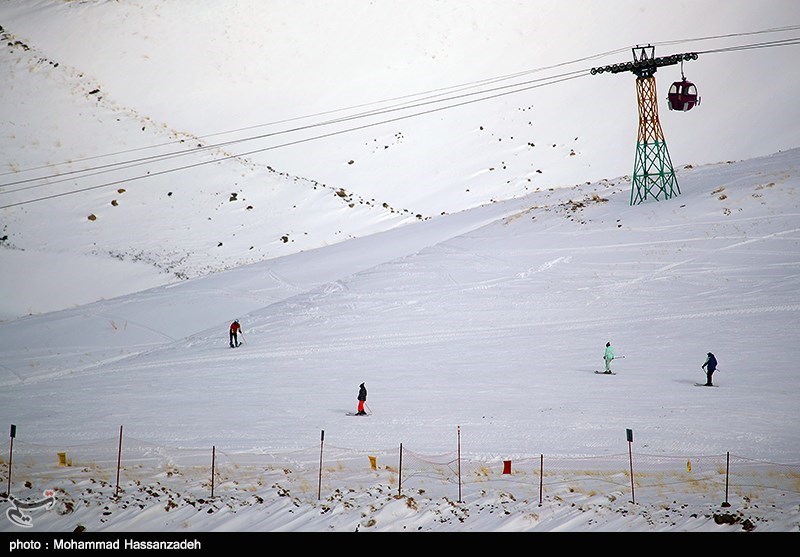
[{"x": 489, "y": 323}]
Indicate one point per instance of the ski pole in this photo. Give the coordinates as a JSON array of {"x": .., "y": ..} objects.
[
  {"x": 368, "y": 408},
  {"x": 243, "y": 340}
]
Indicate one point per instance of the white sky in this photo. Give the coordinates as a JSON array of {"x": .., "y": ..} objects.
[{"x": 488, "y": 313}]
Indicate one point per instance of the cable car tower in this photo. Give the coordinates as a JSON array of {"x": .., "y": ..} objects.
[{"x": 653, "y": 175}]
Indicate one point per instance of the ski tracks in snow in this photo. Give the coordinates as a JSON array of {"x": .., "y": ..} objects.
[
  {"x": 653, "y": 275},
  {"x": 350, "y": 342}
]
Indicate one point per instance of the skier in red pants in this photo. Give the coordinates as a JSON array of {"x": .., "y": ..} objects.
[{"x": 362, "y": 399}]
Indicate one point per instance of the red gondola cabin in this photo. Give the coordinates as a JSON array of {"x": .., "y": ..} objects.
[{"x": 683, "y": 96}]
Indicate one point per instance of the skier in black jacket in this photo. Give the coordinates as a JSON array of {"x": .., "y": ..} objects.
[
  {"x": 362, "y": 399},
  {"x": 710, "y": 366}
]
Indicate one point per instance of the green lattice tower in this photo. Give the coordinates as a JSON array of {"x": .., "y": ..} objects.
[{"x": 653, "y": 175}]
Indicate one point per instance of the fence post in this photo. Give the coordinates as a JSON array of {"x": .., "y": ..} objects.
[
  {"x": 119, "y": 460},
  {"x": 630, "y": 456},
  {"x": 727, "y": 475},
  {"x": 213, "y": 462},
  {"x": 10, "y": 458},
  {"x": 459, "y": 464},
  {"x": 319, "y": 485},
  {"x": 541, "y": 474},
  {"x": 400, "y": 471}
]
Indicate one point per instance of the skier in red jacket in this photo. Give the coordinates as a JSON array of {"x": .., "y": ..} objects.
[{"x": 235, "y": 327}]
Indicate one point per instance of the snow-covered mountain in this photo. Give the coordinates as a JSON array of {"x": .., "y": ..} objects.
[{"x": 124, "y": 112}]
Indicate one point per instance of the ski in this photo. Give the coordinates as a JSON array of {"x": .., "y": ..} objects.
[
  {"x": 604, "y": 373},
  {"x": 356, "y": 414},
  {"x": 704, "y": 385}
]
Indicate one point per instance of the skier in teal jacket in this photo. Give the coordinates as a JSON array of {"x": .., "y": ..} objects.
[{"x": 608, "y": 355}]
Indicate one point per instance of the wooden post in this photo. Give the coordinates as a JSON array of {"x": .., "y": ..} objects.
[
  {"x": 213, "y": 458},
  {"x": 630, "y": 457},
  {"x": 459, "y": 464},
  {"x": 400, "y": 471},
  {"x": 727, "y": 475},
  {"x": 319, "y": 486},
  {"x": 10, "y": 458},
  {"x": 119, "y": 460},
  {"x": 541, "y": 474}
]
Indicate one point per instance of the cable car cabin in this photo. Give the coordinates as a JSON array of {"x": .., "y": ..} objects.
[{"x": 683, "y": 95}]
